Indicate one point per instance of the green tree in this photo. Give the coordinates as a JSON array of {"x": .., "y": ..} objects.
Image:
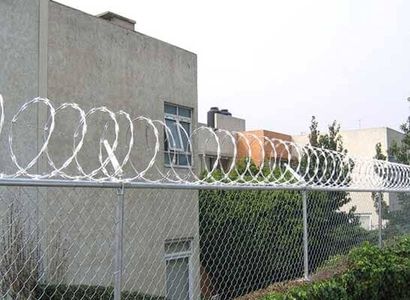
[
  {"x": 328, "y": 224},
  {"x": 332, "y": 140},
  {"x": 385, "y": 209},
  {"x": 250, "y": 239},
  {"x": 398, "y": 220}
]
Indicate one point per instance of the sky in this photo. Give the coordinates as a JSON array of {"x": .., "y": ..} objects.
[{"x": 277, "y": 63}]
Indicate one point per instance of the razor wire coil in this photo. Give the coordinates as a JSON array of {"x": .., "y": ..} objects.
[{"x": 279, "y": 163}]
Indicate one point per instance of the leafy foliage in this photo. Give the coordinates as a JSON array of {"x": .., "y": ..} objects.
[
  {"x": 250, "y": 239},
  {"x": 398, "y": 219},
  {"x": 373, "y": 273},
  {"x": 327, "y": 223},
  {"x": 332, "y": 140},
  {"x": 380, "y": 201}
]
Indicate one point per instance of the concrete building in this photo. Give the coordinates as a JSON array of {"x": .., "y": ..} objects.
[
  {"x": 50, "y": 50},
  {"x": 361, "y": 143},
  {"x": 54, "y": 51},
  {"x": 253, "y": 145},
  {"x": 228, "y": 126}
]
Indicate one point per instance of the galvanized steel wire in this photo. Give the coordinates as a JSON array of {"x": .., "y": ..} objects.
[{"x": 281, "y": 163}]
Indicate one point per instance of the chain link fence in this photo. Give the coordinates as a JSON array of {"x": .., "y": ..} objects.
[
  {"x": 62, "y": 243},
  {"x": 112, "y": 208}
]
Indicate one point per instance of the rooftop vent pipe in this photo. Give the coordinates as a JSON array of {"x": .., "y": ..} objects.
[
  {"x": 225, "y": 112},
  {"x": 211, "y": 116}
]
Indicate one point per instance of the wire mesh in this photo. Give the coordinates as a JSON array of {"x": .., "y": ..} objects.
[
  {"x": 105, "y": 223},
  {"x": 395, "y": 213},
  {"x": 55, "y": 240},
  {"x": 59, "y": 243}
]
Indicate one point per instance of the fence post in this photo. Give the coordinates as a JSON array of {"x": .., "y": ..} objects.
[
  {"x": 380, "y": 225},
  {"x": 119, "y": 230},
  {"x": 305, "y": 236}
]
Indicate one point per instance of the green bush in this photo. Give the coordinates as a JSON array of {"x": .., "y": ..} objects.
[
  {"x": 247, "y": 239},
  {"x": 87, "y": 292},
  {"x": 372, "y": 273},
  {"x": 250, "y": 239}
]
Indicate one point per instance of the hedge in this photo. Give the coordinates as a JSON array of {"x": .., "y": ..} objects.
[
  {"x": 87, "y": 292},
  {"x": 372, "y": 273},
  {"x": 251, "y": 239}
]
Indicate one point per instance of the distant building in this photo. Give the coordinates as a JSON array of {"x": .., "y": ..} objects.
[
  {"x": 254, "y": 144},
  {"x": 361, "y": 143},
  {"x": 228, "y": 125}
]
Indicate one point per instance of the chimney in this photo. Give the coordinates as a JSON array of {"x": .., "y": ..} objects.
[
  {"x": 225, "y": 112},
  {"x": 117, "y": 20},
  {"x": 211, "y": 116}
]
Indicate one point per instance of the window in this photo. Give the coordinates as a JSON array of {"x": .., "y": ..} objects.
[
  {"x": 176, "y": 140},
  {"x": 365, "y": 220},
  {"x": 178, "y": 270},
  {"x": 391, "y": 158}
]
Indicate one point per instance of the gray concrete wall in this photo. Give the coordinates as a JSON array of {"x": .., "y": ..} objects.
[
  {"x": 19, "y": 54},
  {"x": 229, "y": 123},
  {"x": 19, "y": 75},
  {"x": 93, "y": 62},
  {"x": 18, "y": 83},
  {"x": 207, "y": 144}
]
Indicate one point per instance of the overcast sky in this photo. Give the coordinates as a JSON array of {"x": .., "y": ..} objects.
[{"x": 277, "y": 63}]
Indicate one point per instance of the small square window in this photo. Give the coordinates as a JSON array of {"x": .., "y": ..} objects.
[
  {"x": 184, "y": 159},
  {"x": 170, "y": 109},
  {"x": 365, "y": 220},
  {"x": 184, "y": 112}
]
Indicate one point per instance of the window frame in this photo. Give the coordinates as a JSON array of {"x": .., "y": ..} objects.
[
  {"x": 369, "y": 217},
  {"x": 181, "y": 255},
  {"x": 174, "y": 153},
  {"x": 172, "y": 148}
]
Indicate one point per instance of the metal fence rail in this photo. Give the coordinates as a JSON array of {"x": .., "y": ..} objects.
[{"x": 94, "y": 212}]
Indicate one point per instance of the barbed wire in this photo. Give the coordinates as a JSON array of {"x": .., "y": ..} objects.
[{"x": 253, "y": 160}]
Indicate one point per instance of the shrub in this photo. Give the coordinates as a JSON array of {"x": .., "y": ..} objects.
[
  {"x": 239, "y": 238},
  {"x": 372, "y": 273}
]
